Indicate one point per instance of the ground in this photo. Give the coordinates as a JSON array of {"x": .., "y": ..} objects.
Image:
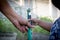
[{"x": 38, "y": 36}]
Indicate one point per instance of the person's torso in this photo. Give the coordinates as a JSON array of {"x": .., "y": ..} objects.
[{"x": 55, "y": 31}]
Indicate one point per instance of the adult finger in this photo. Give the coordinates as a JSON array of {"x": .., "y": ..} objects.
[{"x": 17, "y": 25}]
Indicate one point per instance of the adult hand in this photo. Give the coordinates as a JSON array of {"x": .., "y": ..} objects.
[{"x": 18, "y": 21}]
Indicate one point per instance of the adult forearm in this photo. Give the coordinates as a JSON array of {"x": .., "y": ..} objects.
[{"x": 7, "y": 10}]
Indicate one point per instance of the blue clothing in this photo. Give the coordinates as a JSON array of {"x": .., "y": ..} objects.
[{"x": 55, "y": 31}]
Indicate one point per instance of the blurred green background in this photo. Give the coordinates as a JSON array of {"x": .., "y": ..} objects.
[{"x": 7, "y": 26}]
